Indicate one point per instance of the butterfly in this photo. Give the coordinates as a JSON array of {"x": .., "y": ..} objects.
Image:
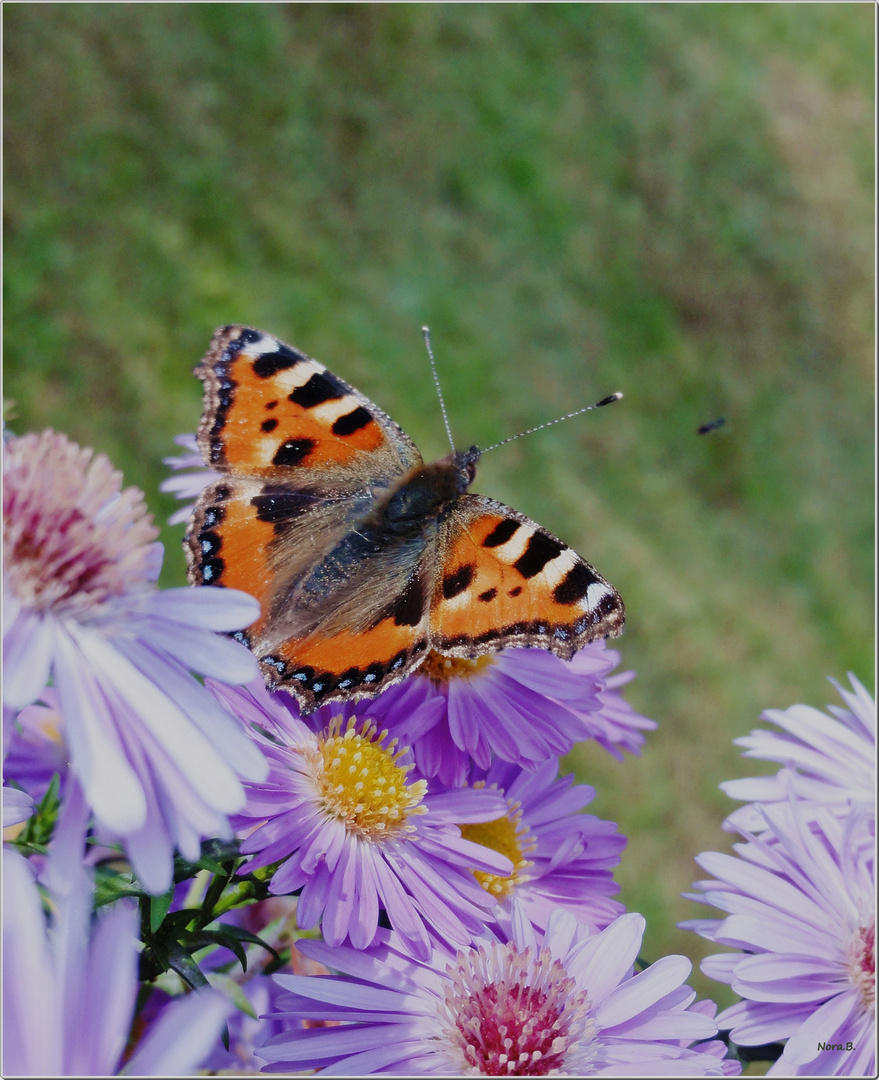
[{"x": 363, "y": 557}]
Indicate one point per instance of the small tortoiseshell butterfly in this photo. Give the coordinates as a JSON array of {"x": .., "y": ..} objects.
[{"x": 362, "y": 557}]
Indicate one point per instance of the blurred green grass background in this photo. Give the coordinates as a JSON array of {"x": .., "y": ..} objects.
[{"x": 675, "y": 201}]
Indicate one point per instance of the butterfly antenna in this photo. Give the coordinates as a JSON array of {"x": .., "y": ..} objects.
[
  {"x": 426, "y": 331},
  {"x": 549, "y": 423}
]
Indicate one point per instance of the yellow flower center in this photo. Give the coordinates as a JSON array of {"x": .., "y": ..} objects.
[
  {"x": 361, "y": 782},
  {"x": 49, "y": 724},
  {"x": 442, "y": 668},
  {"x": 12, "y": 832},
  {"x": 507, "y": 836}
]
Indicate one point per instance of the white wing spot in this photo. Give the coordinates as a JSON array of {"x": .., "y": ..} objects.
[
  {"x": 595, "y": 593},
  {"x": 265, "y": 343},
  {"x": 330, "y": 411},
  {"x": 290, "y": 378},
  {"x": 515, "y": 547},
  {"x": 556, "y": 569}
]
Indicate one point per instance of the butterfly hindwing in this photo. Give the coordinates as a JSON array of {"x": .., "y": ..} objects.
[
  {"x": 349, "y": 664},
  {"x": 373, "y": 635},
  {"x": 248, "y": 534}
]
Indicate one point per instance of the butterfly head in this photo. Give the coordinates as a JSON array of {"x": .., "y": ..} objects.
[{"x": 464, "y": 462}]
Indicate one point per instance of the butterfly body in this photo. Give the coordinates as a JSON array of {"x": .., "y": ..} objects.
[
  {"x": 423, "y": 494},
  {"x": 362, "y": 556}
]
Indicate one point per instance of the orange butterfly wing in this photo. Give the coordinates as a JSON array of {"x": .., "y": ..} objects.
[
  {"x": 302, "y": 454},
  {"x": 508, "y": 582},
  {"x": 271, "y": 411}
]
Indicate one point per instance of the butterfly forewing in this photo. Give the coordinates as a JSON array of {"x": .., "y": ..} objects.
[
  {"x": 271, "y": 411},
  {"x": 506, "y": 581}
]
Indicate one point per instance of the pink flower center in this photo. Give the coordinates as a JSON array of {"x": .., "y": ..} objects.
[
  {"x": 511, "y": 1013},
  {"x": 73, "y": 538},
  {"x": 862, "y": 963}
]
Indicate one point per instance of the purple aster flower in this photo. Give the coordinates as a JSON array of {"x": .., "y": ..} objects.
[
  {"x": 801, "y": 904},
  {"x": 18, "y": 804},
  {"x": 36, "y": 749},
  {"x": 69, "y": 989},
  {"x": 187, "y": 485},
  {"x": 17, "y": 807},
  {"x": 521, "y": 705},
  {"x": 158, "y": 759},
  {"x": 357, "y": 831},
  {"x": 561, "y": 858},
  {"x": 834, "y": 758},
  {"x": 565, "y": 1002}
]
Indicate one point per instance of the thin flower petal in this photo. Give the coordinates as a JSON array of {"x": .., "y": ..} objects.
[
  {"x": 208, "y": 609},
  {"x": 27, "y": 659},
  {"x": 182, "y": 1037}
]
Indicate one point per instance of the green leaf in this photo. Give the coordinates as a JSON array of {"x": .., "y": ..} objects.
[
  {"x": 214, "y": 854},
  {"x": 214, "y": 937},
  {"x": 246, "y": 935},
  {"x": 177, "y": 922},
  {"x": 38, "y": 829},
  {"x": 111, "y": 885},
  {"x": 180, "y": 961},
  {"x": 159, "y": 906},
  {"x": 206, "y": 862}
]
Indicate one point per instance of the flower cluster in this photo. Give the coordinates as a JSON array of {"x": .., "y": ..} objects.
[
  {"x": 199, "y": 876},
  {"x": 800, "y": 893}
]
